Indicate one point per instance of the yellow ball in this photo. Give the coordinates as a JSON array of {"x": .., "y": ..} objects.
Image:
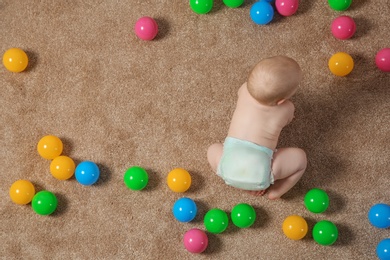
[
  {"x": 62, "y": 167},
  {"x": 341, "y": 64},
  {"x": 49, "y": 147},
  {"x": 22, "y": 192},
  {"x": 179, "y": 180},
  {"x": 295, "y": 227},
  {"x": 15, "y": 60}
]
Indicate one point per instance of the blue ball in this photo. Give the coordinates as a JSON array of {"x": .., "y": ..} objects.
[
  {"x": 379, "y": 215},
  {"x": 87, "y": 173},
  {"x": 383, "y": 249},
  {"x": 262, "y": 12},
  {"x": 184, "y": 209}
]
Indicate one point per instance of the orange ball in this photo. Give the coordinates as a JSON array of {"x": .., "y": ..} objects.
[
  {"x": 49, "y": 147},
  {"x": 341, "y": 64},
  {"x": 22, "y": 192},
  {"x": 295, "y": 227},
  {"x": 15, "y": 60},
  {"x": 62, "y": 167},
  {"x": 179, "y": 180}
]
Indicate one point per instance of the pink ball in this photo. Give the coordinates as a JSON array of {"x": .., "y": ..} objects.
[
  {"x": 343, "y": 27},
  {"x": 382, "y": 59},
  {"x": 195, "y": 240},
  {"x": 286, "y": 7},
  {"x": 146, "y": 28}
]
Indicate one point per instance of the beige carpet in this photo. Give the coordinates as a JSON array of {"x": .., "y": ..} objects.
[{"x": 120, "y": 101}]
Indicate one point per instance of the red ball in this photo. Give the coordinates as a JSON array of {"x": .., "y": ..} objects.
[
  {"x": 146, "y": 28},
  {"x": 382, "y": 60},
  {"x": 343, "y": 27}
]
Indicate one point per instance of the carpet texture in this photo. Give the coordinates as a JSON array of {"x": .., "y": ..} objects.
[{"x": 120, "y": 101}]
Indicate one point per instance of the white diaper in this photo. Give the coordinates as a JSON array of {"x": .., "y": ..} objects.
[{"x": 245, "y": 165}]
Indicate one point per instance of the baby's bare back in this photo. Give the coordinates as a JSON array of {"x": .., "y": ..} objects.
[{"x": 258, "y": 123}]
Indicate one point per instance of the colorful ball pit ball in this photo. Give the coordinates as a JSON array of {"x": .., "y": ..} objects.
[
  {"x": 233, "y": 3},
  {"x": 339, "y": 5},
  {"x": 262, "y": 12},
  {"x": 343, "y": 27},
  {"x": 87, "y": 173},
  {"x": 44, "y": 203},
  {"x": 316, "y": 200},
  {"x": 195, "y": 241},
  {"x": 201, "y": 6},
  {"x": 286, "y": 7},
  {"x": 22, "y": 192},
  {"x": 49, "y": 147},
  {"x": 383, "y": 249},
  {"x": 179, "y": 180},
  {"x": 184, "y": 209},
  {"x": 146, "y": 28},
  {"x": 216, "y": 221},
  {"x": 382, "y": 60},
  {"x": 15, "y": 60},
  {"x": 295, "y": 227},
  {"x": 341, "y": 64},
  {"x": 243, "y": 215},
  {"x": 136, "y": 178},
  {"x": 62, "y": 167},
  {"x": 379, "y": 215},
  {"x": 325, "y": 233}
]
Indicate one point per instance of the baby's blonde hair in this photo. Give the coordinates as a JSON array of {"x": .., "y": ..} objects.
[{"x": 274, "y": 79}]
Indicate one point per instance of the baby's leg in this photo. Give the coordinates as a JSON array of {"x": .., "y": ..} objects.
[
  {"x": 288, "y": 166},
  {"x": 214, "y": 154}
]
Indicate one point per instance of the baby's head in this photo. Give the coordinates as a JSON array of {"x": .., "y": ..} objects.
[{"x": 274, "y": 80}]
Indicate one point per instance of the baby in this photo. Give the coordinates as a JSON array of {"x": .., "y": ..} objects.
[{"x": 248, "y": 159}]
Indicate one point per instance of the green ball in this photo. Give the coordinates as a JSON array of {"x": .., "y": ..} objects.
[
  {"x": 136, "y": 178},
  {"x": 44, "y": 203},
  {"x": 340, "y": 5},
  {"x": 216, "y": 221},
  {"x": 233, "y": 3},
  {"x": 325, "y": 233},
  {"x": 201, "y": 6},
  {"x": 243, "y": 215},
  {"x": 316, "y": 200}
]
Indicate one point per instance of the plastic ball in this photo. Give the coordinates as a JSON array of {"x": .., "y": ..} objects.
[
  {"x": 184, "y": 209},
  {"x": 343, "y": 27},
  {"x": 195, "y": 240},
  {"x": 22, "y": 192},
  {"x": 340, "y": 5},
  {"x": 49, "y": 147},
  {"x": 201, "y": 6},
  {"x": 136, "y": 178},
  {"x": 382, "y": 60},
  {"x": 295, "y": 227},
  {"x": 62, "y": 167},
  {"x": 341, "y": 64},
  {"x": 262, "y": 12},
  {"x": 44, "y": 203},
  {"x": 325, "y": 233},
  {"x": 146, "y": 28},
  {"x": 87, "y": 173},
  {"x": 243, "y": 215},
  {"x": 15, "y": 60},
  {"x": 233, "y": 3},
  {"x": 383, "y": 249},
  {"x": 179, "y": 180},
  {"x": 216, "y": 221},
  {"x": 286, "y": 7},
  {"x": 316, "y": 200},
  {"x": 379, "y": 215}
]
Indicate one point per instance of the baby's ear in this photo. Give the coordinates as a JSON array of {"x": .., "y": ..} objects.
[{"x": 281, "y": 101}]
